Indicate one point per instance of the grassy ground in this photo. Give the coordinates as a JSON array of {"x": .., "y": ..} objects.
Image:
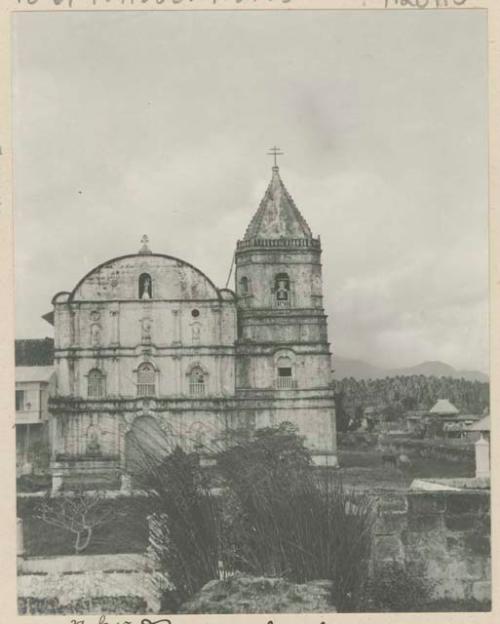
[
  {"x": 364, "y": 470},
  {"x": 360, "y": 469}
]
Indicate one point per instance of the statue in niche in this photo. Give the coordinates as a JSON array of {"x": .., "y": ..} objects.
[
  {"x": 145, "y": 286},
  {"x": 146, "y": 325},
  {"x": 93, "y": 444},
  {"x": 95, "y": 315},
  {"x": 95, "y": 335},
  {"x": 282, "y": 294},
  {"x": 196, "y": 332}
]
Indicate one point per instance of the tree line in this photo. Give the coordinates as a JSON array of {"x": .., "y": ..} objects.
[{"x": 394, "y": 396}]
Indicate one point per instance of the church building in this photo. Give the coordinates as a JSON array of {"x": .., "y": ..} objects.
[{"x": 147, "y": 347}]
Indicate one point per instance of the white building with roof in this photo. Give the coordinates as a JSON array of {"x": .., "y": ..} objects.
[
  {"x": 443, "y": 407},
  {"x": 34, "y": 386}
]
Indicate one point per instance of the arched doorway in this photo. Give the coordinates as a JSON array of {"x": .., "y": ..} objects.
[{"x": 146, "y": 445}]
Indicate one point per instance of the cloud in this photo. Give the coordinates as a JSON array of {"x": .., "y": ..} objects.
[{"x": 159, "y": 123}]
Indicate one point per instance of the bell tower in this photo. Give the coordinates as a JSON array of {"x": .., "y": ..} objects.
[{"x": 283, "y": 363}]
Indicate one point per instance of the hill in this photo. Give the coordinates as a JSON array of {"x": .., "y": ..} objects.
[{"x": 358, "y": 369}]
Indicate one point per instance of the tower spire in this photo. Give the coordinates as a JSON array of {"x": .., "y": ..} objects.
[{"x": 277, "y": 215}]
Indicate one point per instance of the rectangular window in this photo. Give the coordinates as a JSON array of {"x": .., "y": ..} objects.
[
  {"x": 285, "y": 378},
  {"x": 146, "y": 389},
  {"x": 197, "y": 388},
  {"x": 19, "y": 400}
]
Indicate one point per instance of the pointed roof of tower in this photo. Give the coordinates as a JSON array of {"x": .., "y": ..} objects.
[{"x": 277, "y": 215}]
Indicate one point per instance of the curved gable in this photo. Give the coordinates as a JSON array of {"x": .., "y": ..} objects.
[{"x": 118, "y": 279}]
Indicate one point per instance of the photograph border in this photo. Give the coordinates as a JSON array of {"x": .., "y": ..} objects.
[{"x": 8, "y": 594}]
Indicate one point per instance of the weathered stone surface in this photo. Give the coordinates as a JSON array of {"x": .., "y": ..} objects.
[
  {"x": 388, "y": 547},
  {"x": 246, "y": 594},
  {"x": 486, "y": 562},
  {"x": 477, "y": 543},
  {"x": 425, "y": 522},
  {"x": 481, "y": 590},
  {"x": 474, "y": 568},
  {"x": 388, "y": 523},
  {"x": 426, "y": 503},
  {"x": 463, "y": 502},
  {"x": 452, "y": 589},
  {"x": 393, "y": 502},
  {"x": 454, "y": 547},
  {"x": 459, "y": 522}
]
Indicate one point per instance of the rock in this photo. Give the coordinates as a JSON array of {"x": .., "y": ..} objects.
[{"x": 249, "y": 594}]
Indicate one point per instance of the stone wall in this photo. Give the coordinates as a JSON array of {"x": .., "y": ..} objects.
[
  {"x": 93, "y": 577},
  {"x": 447, "y": 531}
]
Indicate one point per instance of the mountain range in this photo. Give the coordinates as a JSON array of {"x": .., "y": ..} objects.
[{"x": 346, "y": 367}]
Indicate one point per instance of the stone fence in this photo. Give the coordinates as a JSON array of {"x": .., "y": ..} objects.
[
  {"x": 446, "y": 531},
  {"x": 96, "y": 578}
]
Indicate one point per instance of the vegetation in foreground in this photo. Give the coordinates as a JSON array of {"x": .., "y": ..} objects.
[{"x": 270, "y": 517}]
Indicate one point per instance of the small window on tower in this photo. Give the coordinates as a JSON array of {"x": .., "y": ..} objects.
[
  {"x": 285, "y": 378},
  {"x": 244, "y": 286},
  {"x": 282, "y": 290},
  {"x": 145, "y": 286}
]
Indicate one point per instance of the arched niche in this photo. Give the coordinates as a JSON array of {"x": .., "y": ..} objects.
[
  {"x": 145, "y": 286},
  {"x": 146, "y": 445}
]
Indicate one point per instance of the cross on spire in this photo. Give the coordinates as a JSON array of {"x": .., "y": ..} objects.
[{"x": 275, "y": 151}]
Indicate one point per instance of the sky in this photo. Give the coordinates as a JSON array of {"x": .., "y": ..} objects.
[{"x": 159, "y": 123}]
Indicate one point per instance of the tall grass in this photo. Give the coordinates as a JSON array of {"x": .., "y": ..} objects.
[
  {"x": 271, "y": 516},
  {"x": 286, "y": 522}
]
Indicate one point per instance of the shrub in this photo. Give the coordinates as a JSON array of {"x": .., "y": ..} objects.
[
  {"x": 282, "y": 521},
  {"x": 79, "y": 513},
  {"x": 396, "y": 587},
  {"x": 273, "y": 517}
]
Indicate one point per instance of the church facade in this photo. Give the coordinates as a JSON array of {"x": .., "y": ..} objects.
[{"x": 146, "y": 347}]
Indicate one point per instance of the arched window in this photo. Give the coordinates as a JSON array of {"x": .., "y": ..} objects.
[
  {"x": 282, "y": 290},
  {"x": 95, "y": 380},
  {"x": 244, "y": 288},
  {"x": 284, "y": 377},
  {"x": 146, "y": 380},
  {"x": 145, "y": 286},
  {"x": 197, "y": 381}
]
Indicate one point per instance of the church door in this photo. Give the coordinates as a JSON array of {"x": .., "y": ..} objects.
[{"x": 146, "y": 445}]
